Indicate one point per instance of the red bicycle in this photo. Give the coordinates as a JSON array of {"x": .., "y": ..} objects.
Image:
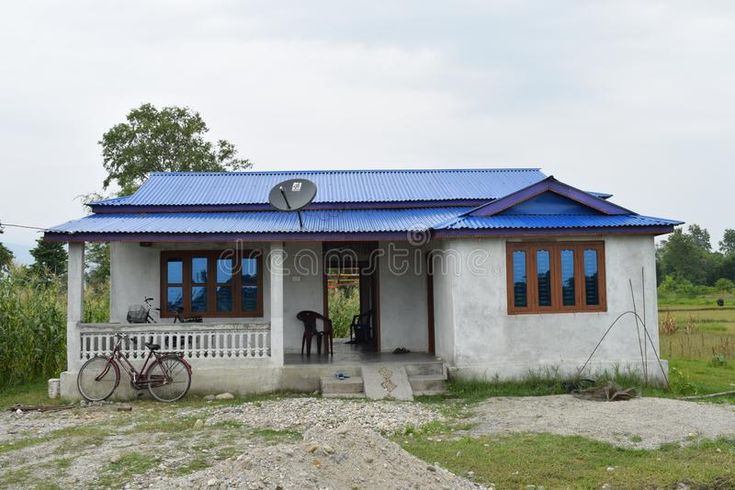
[{"x": 167, "y": 378}]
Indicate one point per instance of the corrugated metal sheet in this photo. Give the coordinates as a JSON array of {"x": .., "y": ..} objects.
[
  {"x": 554, "y": 221},
  {"x": 340, "y": 221},
  {"x": 336, "y": 186}
]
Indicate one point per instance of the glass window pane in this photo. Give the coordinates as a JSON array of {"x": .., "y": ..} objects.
[
  {"x": 543, "y": 273},
  {"x": 520, "y": 298},
  {"x": 175, "y": 271},
  {"x": 591, "y": 279},
  {"x": 249, "y": 298},
  {"x": 199, "y": 270},
  {"x": 224, "y": 299},
  {"x": 567, "y": 277},
  {"x": 174, "y": 299},
  {"x": 249, "y": 271},
  {"x": 199, "y": 299},
  {"x": 249, "y": 290},
  {"x": 224, "y": 271}
]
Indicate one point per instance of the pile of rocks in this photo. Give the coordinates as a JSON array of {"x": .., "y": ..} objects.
[
  {"x": 303, "y": 413},
  {"x": 348, "y": 456}
]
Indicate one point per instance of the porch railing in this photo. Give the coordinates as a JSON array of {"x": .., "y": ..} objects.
[{"x": 198, "y": 342}]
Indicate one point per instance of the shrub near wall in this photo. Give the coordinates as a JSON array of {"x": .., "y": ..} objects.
[{"x": 33, "y": 325}]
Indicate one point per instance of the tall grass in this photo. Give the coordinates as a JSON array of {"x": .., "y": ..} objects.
[
  {"x": 33, "y": 325},
  {"x": 344, "y": 302}
]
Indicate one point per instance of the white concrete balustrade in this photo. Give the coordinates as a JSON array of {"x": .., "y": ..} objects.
[{"x": 199, "y": 343}]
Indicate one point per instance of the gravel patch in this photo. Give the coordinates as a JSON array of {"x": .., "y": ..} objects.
[
  {"x": 348, "y": 456},
  {"x": 641, "y": 423},
  {"x": 15, "y": 426},
  {"x": 304, "y": 413}
]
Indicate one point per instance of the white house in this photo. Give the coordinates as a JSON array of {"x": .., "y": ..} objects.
[{"x": 489, "y": 272}]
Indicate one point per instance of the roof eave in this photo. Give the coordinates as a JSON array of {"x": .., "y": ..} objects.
[{"x": 355, "y": 236}]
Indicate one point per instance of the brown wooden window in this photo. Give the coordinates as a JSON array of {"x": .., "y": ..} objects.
[
  {"x": 211, "y": 283},
  {"x": 556, "y": 277}
]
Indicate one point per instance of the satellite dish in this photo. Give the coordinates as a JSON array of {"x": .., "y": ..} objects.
[{"x": 292, "y": 195}]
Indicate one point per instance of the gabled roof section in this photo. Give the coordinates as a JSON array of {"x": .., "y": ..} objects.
[
  {"x": 541, "y": 191},
  {"x": 191, "y": 189}
]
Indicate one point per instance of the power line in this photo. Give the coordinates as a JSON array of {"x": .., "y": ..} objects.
[{"x": 12, "y": 225}]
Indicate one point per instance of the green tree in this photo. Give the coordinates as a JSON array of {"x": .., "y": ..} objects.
[
  {"x": 97, "y": 259},
  {"x": 727, "y": 244},
  {"x": 700, "y": 237},
  {"x": 6, "y": 258},
  {"x": 49, "y": 258},
  {"x": 167, "y": 140},
  {"x": 684, "y": 257}
]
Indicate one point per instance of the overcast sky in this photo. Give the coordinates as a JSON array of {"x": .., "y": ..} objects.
[{"x": 632, "y": 98}]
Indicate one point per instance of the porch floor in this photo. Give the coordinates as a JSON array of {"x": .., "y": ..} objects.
[{"x": 354, "y": 354}]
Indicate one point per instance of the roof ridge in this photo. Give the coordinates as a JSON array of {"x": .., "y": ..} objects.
[{"x": 364, "y": 170}]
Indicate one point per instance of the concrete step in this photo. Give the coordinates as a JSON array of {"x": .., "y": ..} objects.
[
  {"x": 424, "y": 368},
  {"x": 428, "y": 384},
  {"x": 331, "y": 386}
]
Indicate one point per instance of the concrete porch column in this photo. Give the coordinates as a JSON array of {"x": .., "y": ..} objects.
[
  {"x": 74, "y": 305},
  {"x": 275, "y": 266}
]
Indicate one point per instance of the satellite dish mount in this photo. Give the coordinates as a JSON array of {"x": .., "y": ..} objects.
[{"x": 293, "y": 195}]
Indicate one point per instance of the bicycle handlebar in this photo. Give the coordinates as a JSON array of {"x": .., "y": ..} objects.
[{"x": 124, "y": 336}]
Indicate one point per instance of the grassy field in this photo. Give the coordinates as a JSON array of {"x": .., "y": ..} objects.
[
  {"x": 699, "y": 342},
  {"x": 555, "y": 461}
]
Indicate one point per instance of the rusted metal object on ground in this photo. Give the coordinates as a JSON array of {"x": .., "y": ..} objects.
[{"x": 609, "y": 392}]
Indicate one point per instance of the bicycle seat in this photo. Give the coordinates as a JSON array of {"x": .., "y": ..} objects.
[{"x": 152, "y": 346}]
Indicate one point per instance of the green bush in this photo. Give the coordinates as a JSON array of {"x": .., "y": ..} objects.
[
  {"x": 344, "y": 303},
  {"x": 33, "y": 325},
  {"x": 675, "y": 290},
  {"x": 724, "y": 285}
]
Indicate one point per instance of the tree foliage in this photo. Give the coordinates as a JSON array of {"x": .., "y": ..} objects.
[
  {"x": 727, "y": 244},
  {"x": 687, "y": 256},
  {"x": 97, "y": 259},
  {"x": 6, "y": 258},
  {"x": 49, "y": 258},
  {"x": 170, "y": 139}
]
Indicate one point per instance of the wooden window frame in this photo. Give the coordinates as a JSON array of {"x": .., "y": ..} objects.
[
  {"x": 557, "y": 306},
  {"x": 212, "y": 255}
]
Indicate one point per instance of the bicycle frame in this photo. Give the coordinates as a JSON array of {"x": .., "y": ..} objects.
[{"x": 137, "y": 378}]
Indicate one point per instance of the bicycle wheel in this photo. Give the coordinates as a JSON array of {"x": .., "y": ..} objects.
[
  {"x": 168, "y": 379},
  {"x": 98, "y": 378}
]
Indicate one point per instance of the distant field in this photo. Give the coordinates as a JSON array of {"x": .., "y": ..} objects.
[
  {"x": 699, "y": 342},
  {"x": 697, "y": 333}
]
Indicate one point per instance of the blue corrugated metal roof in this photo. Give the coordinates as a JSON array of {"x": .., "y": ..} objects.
[
  {"x": 554, "y": 221},
  {"x": 334, "y": 186},
  {"x": 337, "y": 221},
  {"x": 340, "y": 221}
]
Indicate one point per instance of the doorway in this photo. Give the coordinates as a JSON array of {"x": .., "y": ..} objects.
[{"x": 350, "y": 290}]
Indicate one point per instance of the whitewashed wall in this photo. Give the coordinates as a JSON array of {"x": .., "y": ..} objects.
[
  {"x": 303, "y": 289},
  {"x": 475, "y": 331},
  {"x": 402, "y": 303}
]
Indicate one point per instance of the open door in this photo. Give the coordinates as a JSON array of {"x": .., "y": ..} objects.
[{"x": 351, "y": 288}]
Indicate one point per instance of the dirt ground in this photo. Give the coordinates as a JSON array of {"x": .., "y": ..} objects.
[
  {"x": 644, "y": 423},
  {"x": 306, "y": 442}
]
